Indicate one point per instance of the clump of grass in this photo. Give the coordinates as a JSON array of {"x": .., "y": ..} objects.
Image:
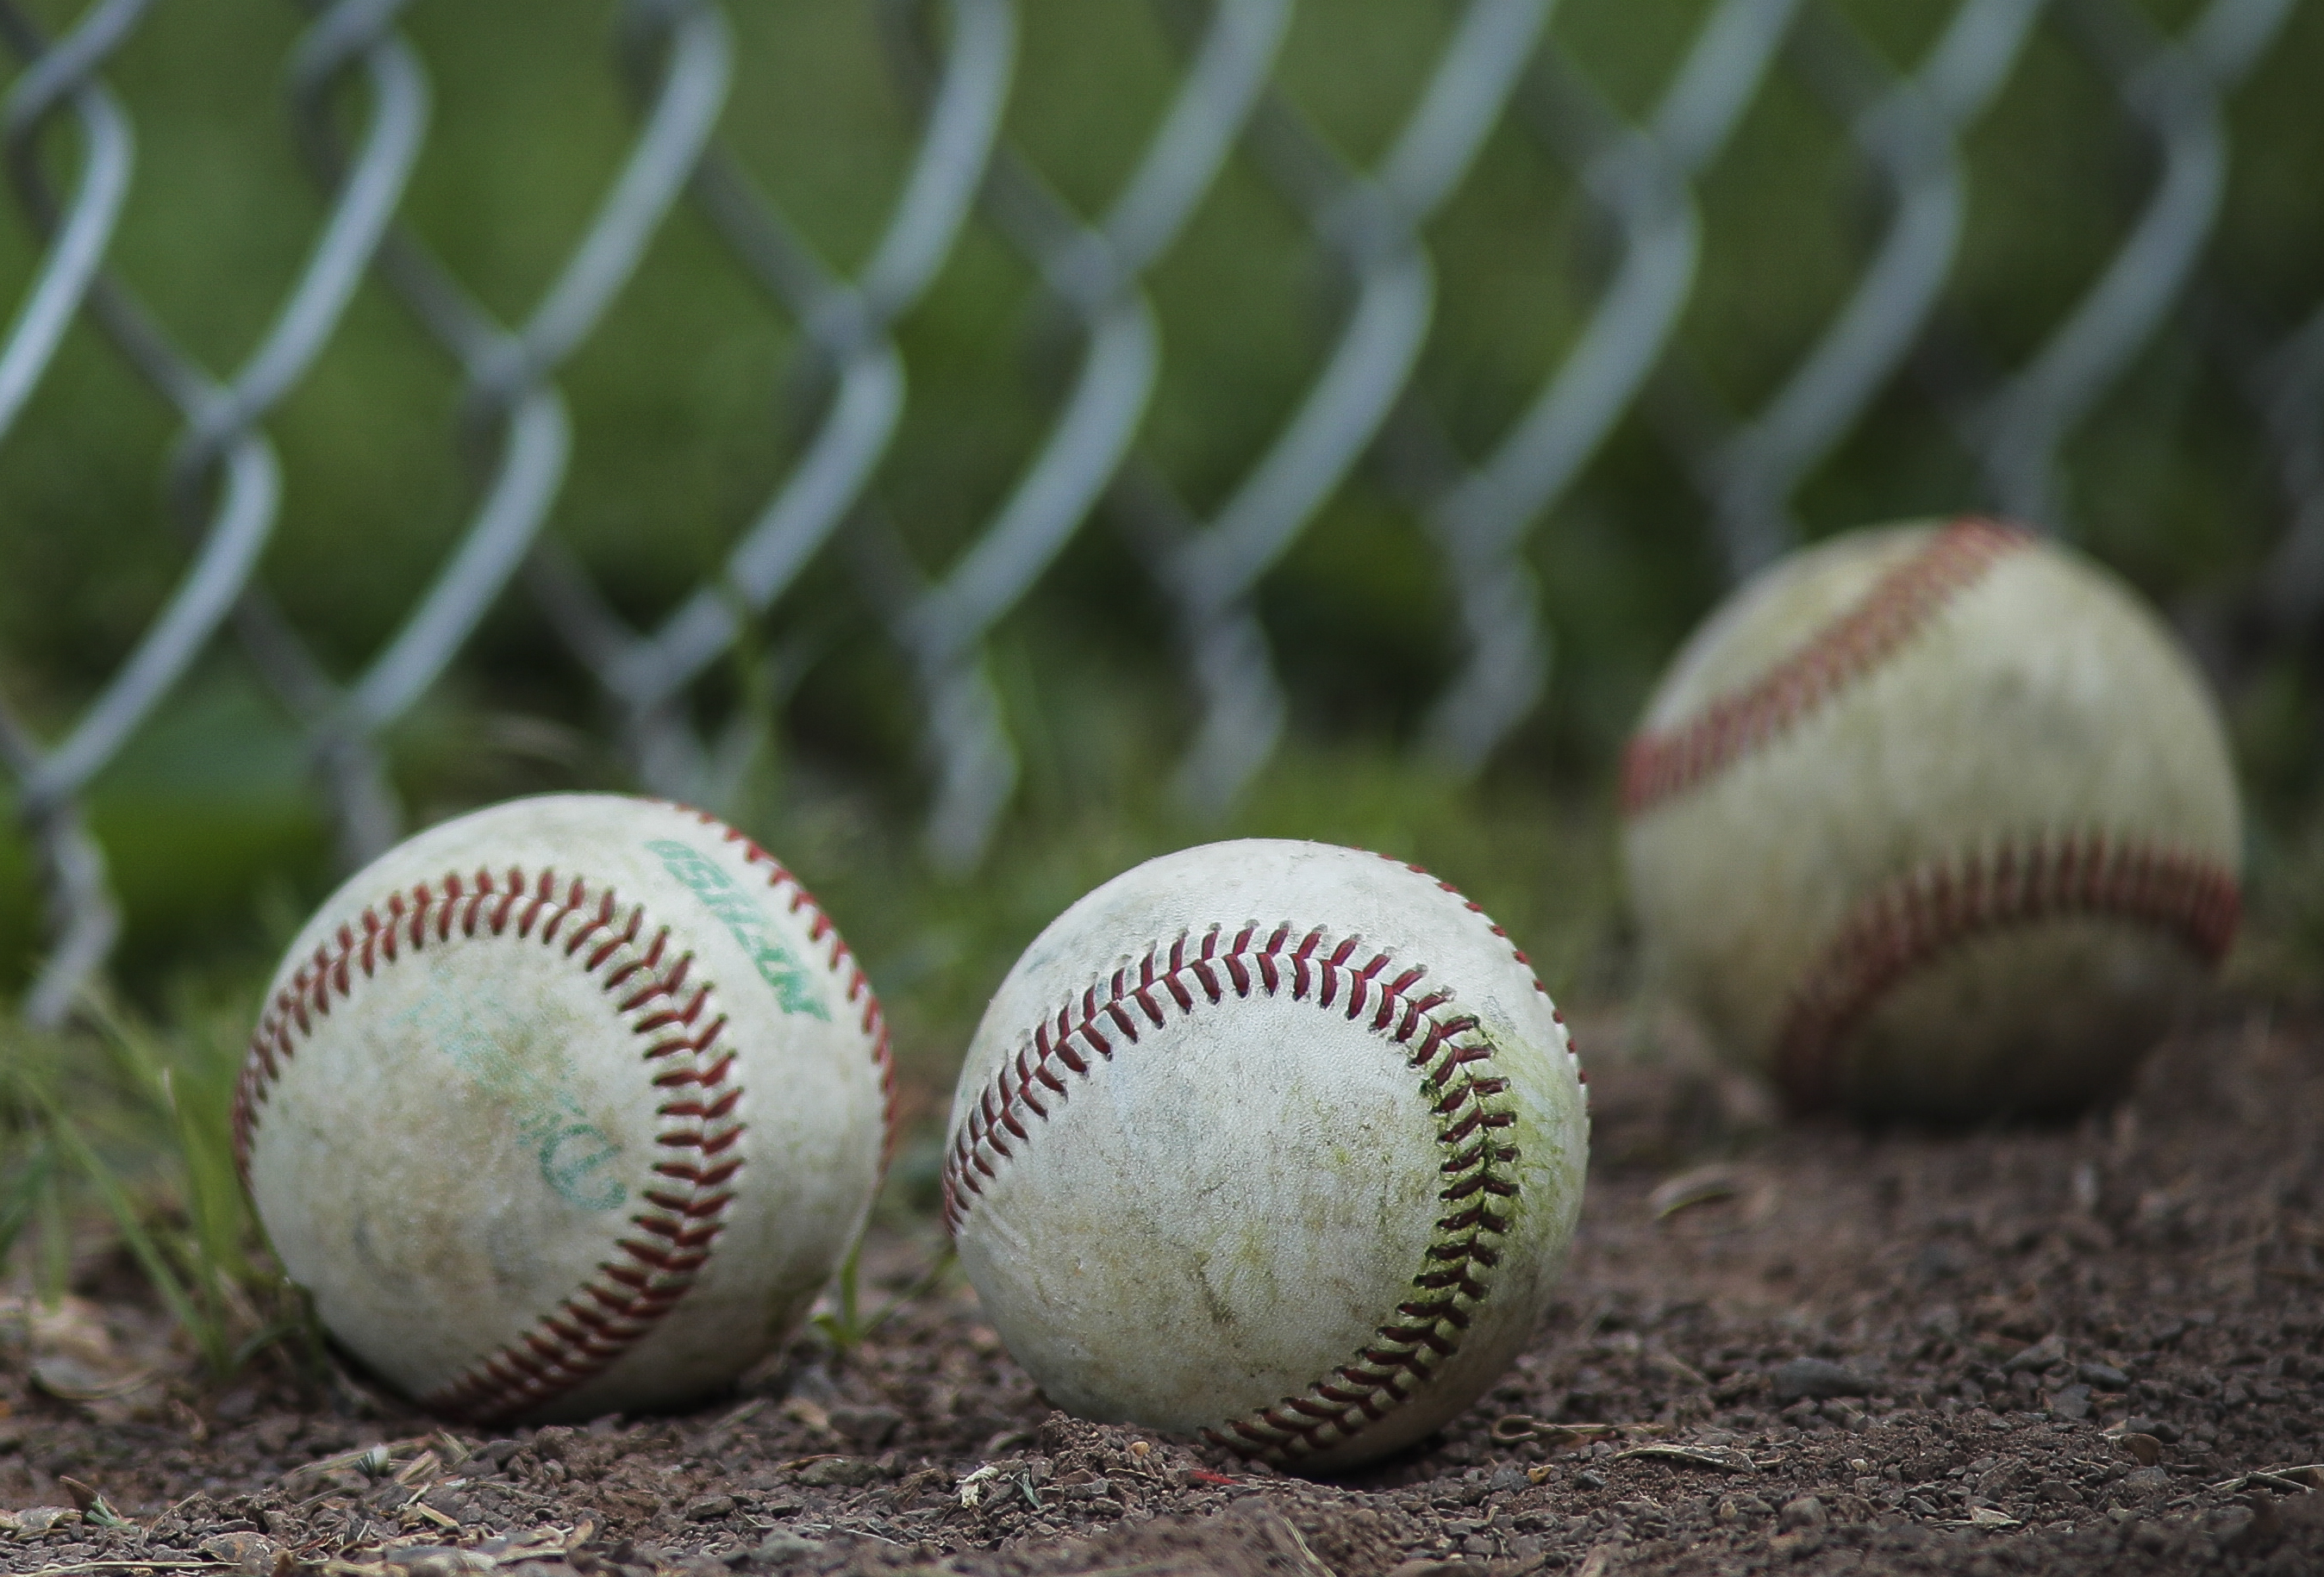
[
  {"x": 114, "y": 1128},
  {"x": 846, "y": 1325}
]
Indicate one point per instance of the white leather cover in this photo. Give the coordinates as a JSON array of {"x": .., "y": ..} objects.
[
  {"x": 1310, "y": 1206},
  {"x": 565, "y": 1106}
]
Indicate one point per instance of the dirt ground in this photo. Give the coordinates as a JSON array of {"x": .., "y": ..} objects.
[{"x": 2093, "y": 1349}]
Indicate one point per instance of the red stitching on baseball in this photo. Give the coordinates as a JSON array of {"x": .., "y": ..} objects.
[
  {"x": 1452, "y": 1054},
  {"x": 1658, "y": 766},
  {"x": 1945, "y": 901},
  {"x": 620, "y": 1305},
  {"x": 1911, "y": 920},
  {"x": 1580, "y": 1074},
  {"x": 609, "y": 1314}
]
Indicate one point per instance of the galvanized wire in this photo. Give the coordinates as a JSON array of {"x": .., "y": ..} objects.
[
  {"x": 1482, "y": 518},
  {"x": 49, "y": 781},
  {"x": 2172, "y": 86},
  {"x": 1909, "y": 129},
  {"x": 846, "y": 329},
  {"x": 1370, "y": 222},
  {"x": 509, "y": 394},
  {"x": 363, "y": 206},
  {"x": 2292, "y": 396},
  {"x": 350, "y": 69},
  {"x": 83, "y": 917},
  {"x": 1093, "y": 272}
]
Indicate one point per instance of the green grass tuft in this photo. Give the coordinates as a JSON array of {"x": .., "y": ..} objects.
[{"x": 116, "y": 1137}]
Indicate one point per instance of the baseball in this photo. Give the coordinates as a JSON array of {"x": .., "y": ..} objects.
[
  {"x": 568, "y": 1106},
  {"x": 1276, "y": 1142},
  {"x": 1934, "y": 821}
]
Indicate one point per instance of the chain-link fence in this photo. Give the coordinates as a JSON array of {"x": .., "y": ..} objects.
[{"x": 1592, "y": 171}]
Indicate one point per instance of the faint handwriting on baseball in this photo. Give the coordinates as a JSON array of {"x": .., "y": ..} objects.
[
  {"x": 723, "y": 898},
  {"x": 575, "y": 1155}
]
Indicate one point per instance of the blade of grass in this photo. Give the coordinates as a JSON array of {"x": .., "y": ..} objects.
[
  {"x": 53, "y": 1273},
  {"x": 150, "y": 1134},
  {"x": 140, "y": 1062},
  {"x": 25, "y": 1191},
  {"x": 846, "y": 1328},
  {"x": 260, "y": 1340},
  {"x": 208, "y": 1335},
  {"x": 917, "y": 1290},
  {"x": 839, "y": 1328},
  {"x": 204, "y": 1253}
]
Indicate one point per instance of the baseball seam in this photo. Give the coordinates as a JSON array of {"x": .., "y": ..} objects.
[
  {"x": 1921, "y": 914},
  {"x": 1663, "y": 764},
  {"x": 653, "y": 1267},
  {"x": 1557, "y": 1016},
  {"x": 1445, "y": 1044},
  {"x": 1943, "y": 901},
  {"x": 842, "y": 964},
  {"x": 683, "y": 1036}
]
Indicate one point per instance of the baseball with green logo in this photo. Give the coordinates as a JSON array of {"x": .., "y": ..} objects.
[{"x": 568, "y": 1106}]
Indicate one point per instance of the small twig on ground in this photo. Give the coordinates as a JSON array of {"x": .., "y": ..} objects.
[
  {"x": 1724, "y": 1458},
  {"x": 2292, "y": 1481}
]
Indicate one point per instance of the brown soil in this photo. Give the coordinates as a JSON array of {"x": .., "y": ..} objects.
[{"x": 2062, "y": 1351}]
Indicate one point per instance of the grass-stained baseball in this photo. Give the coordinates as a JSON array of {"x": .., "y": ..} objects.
[
  {"x": 1281, "y": 1143},
  {"x": 566, "y": 1106},
  {"x": 1935, "y": 821}
]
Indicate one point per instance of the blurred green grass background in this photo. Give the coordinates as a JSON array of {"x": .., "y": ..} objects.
[{"x": 217, "y": 842}]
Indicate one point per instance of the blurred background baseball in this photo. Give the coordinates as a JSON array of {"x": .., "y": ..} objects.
[{"x": 1935, "y": 821}]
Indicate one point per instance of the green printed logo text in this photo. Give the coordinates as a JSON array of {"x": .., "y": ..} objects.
[{"x": 746, "y": 923}]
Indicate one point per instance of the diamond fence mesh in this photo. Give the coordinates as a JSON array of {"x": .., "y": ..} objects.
[{"x": 1531, "y": 299}]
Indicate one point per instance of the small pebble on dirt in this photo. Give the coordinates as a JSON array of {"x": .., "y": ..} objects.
[
  {"x": 1817, "y": 1378},
  {"x": 1807, "y": 1511},
  {"x": 2049, "y": 1351}
]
